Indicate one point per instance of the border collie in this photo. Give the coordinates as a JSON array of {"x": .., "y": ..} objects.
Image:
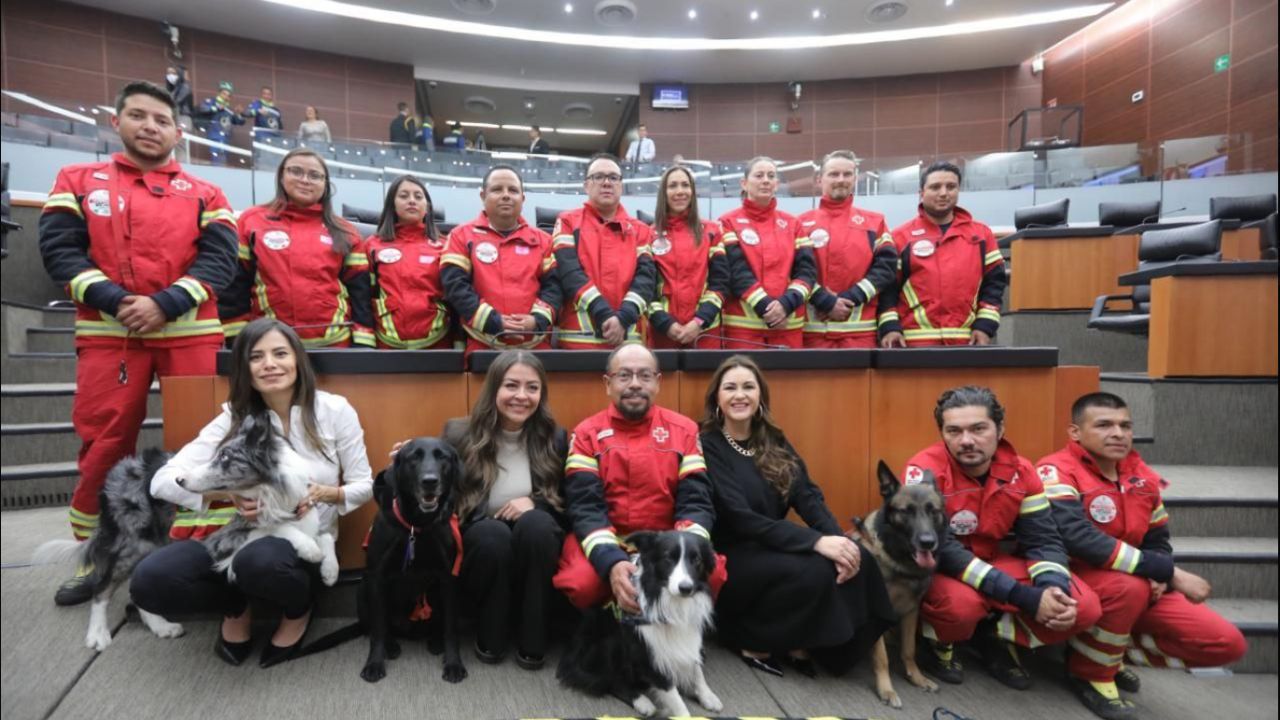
[
  {"x": 258, "y": 463},
  {"x": 131, "y": 525},
  {"x": 648, "y": 660}
]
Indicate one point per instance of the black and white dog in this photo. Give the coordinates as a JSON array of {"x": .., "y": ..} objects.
[
  {"x": 258, "y": 463},
  {"x": 131, "y": 525},
  {"x": 648, "y": 660},
  {"x": 412, "y": 553}
]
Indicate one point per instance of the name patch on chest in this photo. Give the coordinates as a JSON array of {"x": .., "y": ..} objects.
[
  {"x": 922, "y": 249},
  {"x": 1103, "y": 509},
  {"x": 964, "y": 522},
  {"x": 918, "y": 231},
  {"x": 389, "y": 255},
  {"x": 606, "y": 433},
  {"x": 276, "y": 239},
  {"x": 820, "y": 237},
  {"x": 661, "y": 245},
  {"x": 487, "y": 252},
  {"x": 750, "y": 237},
  {"x": 99, "y": 202},
  {"x": 522, "y": 249}
]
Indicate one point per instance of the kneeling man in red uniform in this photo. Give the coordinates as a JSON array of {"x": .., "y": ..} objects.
[
  {"x": 998, "y": 599},
  {"x": 633, "y": 466},
  {"x": 1108, "y": 507}
]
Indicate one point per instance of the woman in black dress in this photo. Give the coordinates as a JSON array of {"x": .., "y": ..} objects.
[{"x": 795, "y": 593}]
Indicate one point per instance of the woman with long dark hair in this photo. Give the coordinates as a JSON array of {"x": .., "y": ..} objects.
[
  {"x": 513, "y": 456},
  {"x": 272, "y": 382},
  {"x": 301, "y": 263},
  {"x": 693, "y": 274},
  {"x": 794, "y": 593},
  {"x": 404, "y": 269},
  {"x": 771, "y": 267}
]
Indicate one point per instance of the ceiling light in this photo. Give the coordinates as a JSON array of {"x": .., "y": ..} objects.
[
  {"x": 610, "y": 42},
  {"x": 526, "y": 128},
  {"x": 817, "y": 13},
  {"x": 950, "y": 3},
  {"x": 580, "y": 131},
  {"x": 568, "y": 7},
  {"x": 755, "y": 14},
  {"x": 492, "y": 126},
  {"x": 693, "y": 14},
  {"x": 886, "y": 11}
]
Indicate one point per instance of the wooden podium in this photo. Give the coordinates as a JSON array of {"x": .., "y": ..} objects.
[{"x": 1067, "y": 268}]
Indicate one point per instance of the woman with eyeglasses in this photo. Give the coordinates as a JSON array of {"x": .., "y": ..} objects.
[
  {"x": 772, "y": 270},
  {"x": 300, "y": 263},
  {"x": 693, "y": 274},
  {"x": 404, "y": 266}
]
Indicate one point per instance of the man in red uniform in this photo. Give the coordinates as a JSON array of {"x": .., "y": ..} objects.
[
  {"x": 143, "y": 248},
  {"x": 1107, "y": 504},
  {"x": 634, "y": 466},
  {"x": 605, "y": 261},
  {"x": 981, "y": 592},
  {"x": 499, "y": 273},
  {"x": 856, "y": 258},
  {"x": 950, "y": 272}
]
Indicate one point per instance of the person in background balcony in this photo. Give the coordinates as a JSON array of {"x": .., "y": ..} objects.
[{"x": 313, "y": 129}]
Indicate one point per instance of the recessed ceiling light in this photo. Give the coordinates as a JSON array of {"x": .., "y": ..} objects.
[
  {"x": 755, "y": 14},
  {"x": 950, "y": 3},
  {"x": 817, "y": 13},
  {"x": 568, "y": 7},
  {"x": 418, "y": 21},
  {"x": 693, "y": 14}
]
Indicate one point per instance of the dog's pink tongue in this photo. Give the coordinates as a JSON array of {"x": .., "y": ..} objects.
[{"x": 924, "y": 559}]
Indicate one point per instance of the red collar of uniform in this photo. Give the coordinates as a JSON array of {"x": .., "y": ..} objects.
[
  {"x": 676, "y": 223},
  {"x": 617, "y": 418},
  {"x": 836, "y": 206},
  {"x": 959, "y": 217},
  {"x": 759, "y": 212},
  {"x": 1004, "y": 465},
  {"x": 619, "y": 217},
  {"x": 1127, "y": 467},
  {"x": 295, "y": 211},
  {"x": 414, "y": 232},
  {"x": 170, "y": 168},
  {"x": 517, "y": 234}
]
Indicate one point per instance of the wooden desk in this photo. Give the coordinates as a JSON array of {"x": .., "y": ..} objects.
[
  {"x": 1061, "y": 269},
  {"x": 1241, "y": 244}
]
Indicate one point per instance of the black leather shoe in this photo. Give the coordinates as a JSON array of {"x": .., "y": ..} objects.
[
  {"x": 530, "y": 662},
  {"x": 764, "y": 665},
  {"x": 1001, "y": 660},
  {"x": 232, "y": 653},
  {"x": 804, "y": 666},
  {"x": 487, "y": 657},
  {"x": 273, "y": 654},
  {"x": 1128, "y": 680},
  {"x": 74, "y": 591}
]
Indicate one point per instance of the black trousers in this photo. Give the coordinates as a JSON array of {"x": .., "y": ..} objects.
[
  {"x": 506, "y": 571},
  {"x": 179, "y": 579}
]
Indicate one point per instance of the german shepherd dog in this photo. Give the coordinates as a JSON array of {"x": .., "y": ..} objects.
[
  {"x": 131, "y": 525},
  {"x": 903, "y": 535},
  {"x": 647, "y": 661},
  {"x": 258, "y": 463},
  {"x": 412, "y": 551}
]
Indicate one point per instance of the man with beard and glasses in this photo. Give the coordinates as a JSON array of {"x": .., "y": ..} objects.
[
  {"x": 856, "y": 258},
  {"x": 951, "y": 275},
  {"x": 982, "y": 592},
  {"x": 633, "y": 466},
  {"x": 143, "y": 248}
]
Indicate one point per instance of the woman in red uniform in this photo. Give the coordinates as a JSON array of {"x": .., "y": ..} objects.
[
  {"x": 693, "y": 274},
  {"x": 771, "y": 267},
  {"x": 404, "y": 262},
  {"x": 300, "y": 263}
]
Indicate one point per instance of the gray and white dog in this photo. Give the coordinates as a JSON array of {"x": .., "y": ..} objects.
[
  {"x": 258, "y": 463},
  {"x": 131, "y": 525}
]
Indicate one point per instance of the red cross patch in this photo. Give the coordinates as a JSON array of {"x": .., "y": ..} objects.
[
  {"x": 915, "y": 475},
  {"x": 660, "y": 434}
]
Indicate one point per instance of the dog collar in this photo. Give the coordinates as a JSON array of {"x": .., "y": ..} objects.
[
  {"x": 626, "y": 618},
  {"x": 454, "y": 528}
]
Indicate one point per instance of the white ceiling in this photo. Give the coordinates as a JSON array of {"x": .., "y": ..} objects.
[{"x": 537, "y": 66}]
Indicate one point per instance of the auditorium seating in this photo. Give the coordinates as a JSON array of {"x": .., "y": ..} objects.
[
  {"x": 1192, "y": 243},
  {"x": 1245, "y": 209},
  {"x": 1052, "y": 214},
  {"x": 1127, "y": 214},
  {"x": 1267, "y": 238},
  {"x": 545, "y": 218}
]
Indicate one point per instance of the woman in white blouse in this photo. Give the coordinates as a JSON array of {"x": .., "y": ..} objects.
[
  {"x": 313, "y": 129},
  {"x": 271, "y": 378}
]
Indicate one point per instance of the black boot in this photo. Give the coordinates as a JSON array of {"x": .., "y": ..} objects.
[
  {"x": 1106, "y": 704},
  {"x": 1000, "y": 658},
  {"x": 940, "y": 661}
]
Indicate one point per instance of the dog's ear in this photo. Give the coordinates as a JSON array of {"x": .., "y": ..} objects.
[
  {"x": 888, "y": 481},
  {"x": 257, "y": 429},
  {"x": 642, "y": 540}
]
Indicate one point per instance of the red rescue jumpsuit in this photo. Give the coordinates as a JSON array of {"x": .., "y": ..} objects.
[
  {"x": 289, "y": 271},
  {"x": 948, "y": 285},
  {"x": 108, "y": 231},
  {"x": 856, "y": 261},
  {"x": 606, "y": 270},
  {"x": 408, "y": 296},
  {"x": 692, "y": 282},
  {"x": 487, "y": 275},
  {"x": 622, "y": 476},
  {"x": 1118, "y": 536},
  {"x": 974, "y": 577},
  {"x": 769, "y": 259}
]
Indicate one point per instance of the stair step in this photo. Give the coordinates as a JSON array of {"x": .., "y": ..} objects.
[
  {"x": 52, "y": 442},
  {"x": 1257, "y": 550},
  {"x": 51, "y": 339},
  {"x": 36, "y": 471},
  {"x": 51, "y": 402},
  {"x": 1220, "y": 485},
  {"x": 1241, "y": 567},
  {"x": 38, "y": 367}
]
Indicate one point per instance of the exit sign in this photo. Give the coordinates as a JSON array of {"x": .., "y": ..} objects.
[
  {"x": 775, "y": 127},
  {"x": 1222, "y": 62}
]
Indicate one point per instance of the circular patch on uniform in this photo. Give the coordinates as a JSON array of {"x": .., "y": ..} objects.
[
  {"x": 1103, "y": 509},
  {"x": 487, "y": 252},
  {"x": 388, "y": 255},
  {"x": 820, "y": 237},
  {"x": 99, "y": 202},
  {"x": 661, "y": 245},
  {"x": 964, "y": 522},
  {"x": 750, "y": 237},
  {"x": 276, "y": 239},
  {"x": 923, "y": 249}
]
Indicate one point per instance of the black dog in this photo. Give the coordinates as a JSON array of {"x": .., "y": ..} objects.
[{"x": 412, "y": 551}]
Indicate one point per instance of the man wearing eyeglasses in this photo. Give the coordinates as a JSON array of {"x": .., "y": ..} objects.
[
  {"x": 633, "y": 466},
  {"x": 605, "y": 262}
]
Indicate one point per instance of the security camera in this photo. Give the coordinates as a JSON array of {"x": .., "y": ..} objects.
[
  {"x": 794, "y": 89},
  {"x": 432, "y": 83},
  {"x": 174, "y": 35}
]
